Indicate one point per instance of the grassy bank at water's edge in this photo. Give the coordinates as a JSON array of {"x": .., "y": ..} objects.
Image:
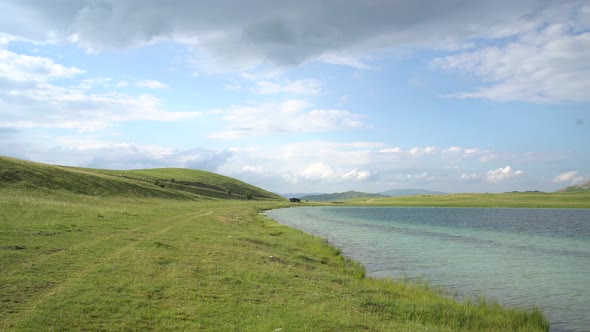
[
  {"x": 574, "y": 200},
  {"x": 91, "y": 250},
  {"x": 96, "y": 263}
]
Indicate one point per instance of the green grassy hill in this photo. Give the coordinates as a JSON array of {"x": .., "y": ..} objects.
[
  {"x": 579, "y": 187},
  {"x": 155, "y": 183}
]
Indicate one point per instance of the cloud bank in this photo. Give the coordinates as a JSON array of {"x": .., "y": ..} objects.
[
  {"x": 571, "y": 177},
  {"x": 288, "y": 33},
  {"x": 291, "y": 116},
  {"x": 33, "y": 95}
]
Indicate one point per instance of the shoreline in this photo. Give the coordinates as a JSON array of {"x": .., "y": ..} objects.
[
  {"x": 164, "y": 264},
  {"x": 568, "y": 200},
  {"x": 448, "y": 291}
]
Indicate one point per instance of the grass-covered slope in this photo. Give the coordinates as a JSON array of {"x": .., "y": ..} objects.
[
  {"x": 576, "y": 188},
  {"x": 97, "y": 251},
  {"x": 156, "y": 183},
  {"x": 118, "y": 264},
  {"x": 196, "y": 181}
]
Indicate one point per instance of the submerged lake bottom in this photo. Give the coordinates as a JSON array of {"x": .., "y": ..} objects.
[{"x": 520, "y": 257}]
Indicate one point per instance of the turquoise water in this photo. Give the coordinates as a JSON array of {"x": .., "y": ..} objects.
[{"x": 520, "y": 257}]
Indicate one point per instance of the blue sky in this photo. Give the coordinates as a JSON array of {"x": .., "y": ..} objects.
[{"x": 461, "y": 96}]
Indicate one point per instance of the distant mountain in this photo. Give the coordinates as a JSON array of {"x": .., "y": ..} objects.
[
  {"x": 410, "y": 192},
  {"x": 338, "y": 197},
  {"x": 579, "y": 187},
  {"x": 298, "y": 195}
]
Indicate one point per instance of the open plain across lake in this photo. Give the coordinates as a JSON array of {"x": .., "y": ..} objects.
[{"x": 520, "y": 257}]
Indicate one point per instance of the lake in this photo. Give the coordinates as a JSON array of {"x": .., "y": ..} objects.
[{"x": 520, "y": 257}]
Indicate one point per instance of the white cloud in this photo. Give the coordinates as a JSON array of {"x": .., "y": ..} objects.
[
  {"x": 452, "y": 154},
  {"x": 548, "y": 66},
  {"x": 565, "y": 177},
  {"x": 29, "y": 98},
  {"x": 351, "y": 60},
  {"x": 6, "y": 38},
  {"x": 419, "y": 151},
  {"x": 300, "y": 87},
  {"x": 454, "y": 149},
  {"x": 151, "y": 84},
  {"x": 297, "y": 165},
  {"x": 253, "y": 169},
  {"x": 322, "y": 172},
  {"x": 268, "y": 82},
  {"x": 90, "y": 152},
  {"x": 89, "y": 83},
  {"x": 20, "y": 68},
  {"x": 391, "y": 150},
  {"x": 54, "y": 107},
  {"x": 84, "y": 144},
  {"x": 287, "y": 34},
  {"x": 502, "y": 174},
  {"x": 324, "y": 166},
  {"x": 469, "y": 177},
  {"x": 317, "y": 171},
  {"x": 348, "y": 154},
  {"x": 571, "y": 177},
  {"x": 287, "y": 117},
  {"x": 472, "y": 151},
  {"x": 460, "y": 152},
  {"x": 248, "y": 76},
  {"x": 487, "y": 158},
  {"x": 419, "y": 176},
  {"x": 311, "y": 165}
]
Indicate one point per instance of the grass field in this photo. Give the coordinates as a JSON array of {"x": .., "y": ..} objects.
[
  {"x": 144, "y": 257},
  {"x": 516, "y": 200}
]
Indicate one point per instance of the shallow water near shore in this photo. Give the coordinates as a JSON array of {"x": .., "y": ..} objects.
[{"x": 520, "y": 257}]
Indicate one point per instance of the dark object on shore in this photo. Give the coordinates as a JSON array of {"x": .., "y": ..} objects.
[{"x": 294, "y": 200}]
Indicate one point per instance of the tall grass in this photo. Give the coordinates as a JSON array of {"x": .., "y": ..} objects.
[
  {"x": 81, "y": 251},
  {"x": 92, "y": 263}
]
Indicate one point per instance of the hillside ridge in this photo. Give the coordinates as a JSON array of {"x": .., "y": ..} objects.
[
  {"x": 176, "y": 183},
  {"x": 584, "y": 186}
]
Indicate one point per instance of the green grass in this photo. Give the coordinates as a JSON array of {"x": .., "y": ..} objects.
[
  {"x": 178, "y": 261},
  {"x": 94, "y": 263},
  {"x": 200, "y": 182},
  {"x": 517, "y": 200},
  {"x": 156, "y": 183}
]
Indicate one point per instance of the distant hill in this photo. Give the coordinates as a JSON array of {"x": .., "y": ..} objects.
[
  {"x": 297, "y": 195},
  {"x": 579, "y": 187},
  {"x": 410, "y": 192},
  {"x": 175, "y": 183},
  {"x": 337, "y": 197}
]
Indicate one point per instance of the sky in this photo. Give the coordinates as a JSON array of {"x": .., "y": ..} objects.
[{"x": 304, "y": 96}]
